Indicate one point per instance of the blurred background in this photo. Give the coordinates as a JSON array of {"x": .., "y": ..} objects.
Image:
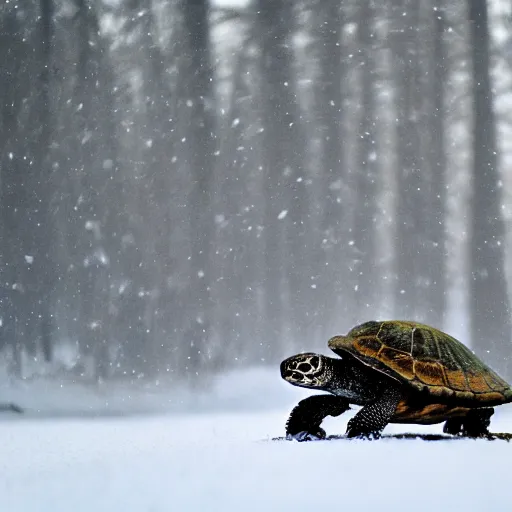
[{"x": 193, "y": 186}]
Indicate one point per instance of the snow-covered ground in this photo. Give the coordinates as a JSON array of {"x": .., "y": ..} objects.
[{"x": 213, "y": 451}]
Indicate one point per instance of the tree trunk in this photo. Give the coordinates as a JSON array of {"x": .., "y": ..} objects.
[
  {"x": 301, "y": 283},
  {"x": 44, "y": 267},
  {"x": 87, "y": 232},
  {"x": 489, "y": 303},
  {"x": 286, "y": 200},
  {"x": 435, "y": 154},
  {"x": 329, "y": 116},
  {"x": 274, "y": 69},
  {"x": 410, "y": 193},
  {"x": 200, "y": 158},
  {"x": 365, "y": 256},
  {"x": 14, "y": 90}
]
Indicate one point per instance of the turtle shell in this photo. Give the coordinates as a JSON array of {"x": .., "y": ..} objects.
[{"x": 426, "y": 359}]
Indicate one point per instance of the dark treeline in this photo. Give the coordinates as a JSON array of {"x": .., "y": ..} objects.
[{"x": 187, "y": 186}]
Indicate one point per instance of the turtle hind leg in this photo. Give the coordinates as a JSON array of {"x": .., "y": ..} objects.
[
  {"x": 453, "y": 426},
  {"x": 474, "y": 424},
  {"x": 369, "y": 422},
  {"x": 304, "y": 421}
]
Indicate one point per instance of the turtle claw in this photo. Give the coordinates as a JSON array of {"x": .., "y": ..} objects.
[
  {"x": 307, "y": 436},
  {"x": 364, "y": 436}
]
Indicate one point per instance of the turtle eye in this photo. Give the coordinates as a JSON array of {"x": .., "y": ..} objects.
[{"x": 304, "y": 367}]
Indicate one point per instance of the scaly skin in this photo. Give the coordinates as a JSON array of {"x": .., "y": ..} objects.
[{"x": 350, "y": 382}]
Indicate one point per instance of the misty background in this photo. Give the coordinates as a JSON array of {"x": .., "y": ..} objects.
[{"x": 187, "y": 186}]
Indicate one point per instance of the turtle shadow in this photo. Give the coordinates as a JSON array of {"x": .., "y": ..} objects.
[{"x": 495, "y": 436}]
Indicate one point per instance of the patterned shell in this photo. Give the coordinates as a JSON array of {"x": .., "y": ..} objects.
[{"x": 428, "y": 359}]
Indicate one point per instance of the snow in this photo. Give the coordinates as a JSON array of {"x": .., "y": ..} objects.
[{"x": 212, "y": 450}]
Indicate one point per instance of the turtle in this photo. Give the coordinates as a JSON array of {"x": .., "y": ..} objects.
[{"x": 399, "y": 371}]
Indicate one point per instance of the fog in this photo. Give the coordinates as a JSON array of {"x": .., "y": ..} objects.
[{"x": 188, "y": 188}]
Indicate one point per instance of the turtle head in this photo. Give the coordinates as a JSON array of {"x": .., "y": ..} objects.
[{"x": 307, "y": 370}]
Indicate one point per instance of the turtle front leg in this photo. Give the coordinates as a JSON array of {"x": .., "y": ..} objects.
[
  {"x": 474, "y": 424},
  {"x": 304, "y": 421},
  {"x": 369, "y": 422}
]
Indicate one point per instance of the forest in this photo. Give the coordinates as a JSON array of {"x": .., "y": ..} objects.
[{"x": 190, "y": 186}]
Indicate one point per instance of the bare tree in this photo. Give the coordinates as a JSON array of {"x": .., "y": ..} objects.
[
  {"x": 15, "y": 92},
  {"x": 83, "y": 187},
  {"x": 198, "y": 95},
  {"x": 489, "y": 303},
  {"x": 44, "y": 269},
  {"x": 410, "y": 193},
  {"x": 329, "y": 114},
  {"x": 26, "y": 226},
  {"x": 365, "y": 252},
  {"x": 286, "y": 202},
  {"x": 238, "y": 251},
  {"x": 434, "y": 152}
]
